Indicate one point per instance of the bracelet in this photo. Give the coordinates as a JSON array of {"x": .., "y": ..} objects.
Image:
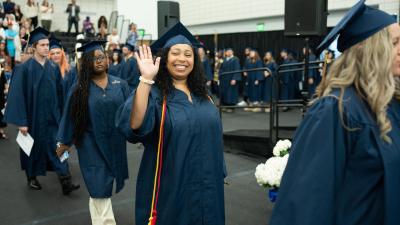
[{"x": 144, "y": 80}]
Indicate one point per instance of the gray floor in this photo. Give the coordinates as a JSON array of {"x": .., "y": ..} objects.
[{"x": 245, "y": 201}]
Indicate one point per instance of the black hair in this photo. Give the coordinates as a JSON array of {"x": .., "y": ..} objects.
[
  {"x": 196, "y": 80},
  {"x": 80, "y": 97}
]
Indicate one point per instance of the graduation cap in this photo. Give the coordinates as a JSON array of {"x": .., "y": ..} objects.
[
  {"x": 360, "y": 22},
  {"x": 117, "y": 51},
  {"x": 178, "y": 34},
  {"x": 38, "y": 34},
  {"x": 92, "y": 46},
  {"x": 130, "y": 47},
  {"x": 55, "y": 43}
]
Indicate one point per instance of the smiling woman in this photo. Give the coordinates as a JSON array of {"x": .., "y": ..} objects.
[{"x": 180, "y": 180}]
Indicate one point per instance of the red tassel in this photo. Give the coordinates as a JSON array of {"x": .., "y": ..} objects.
[{"x": 153, "y": 219}]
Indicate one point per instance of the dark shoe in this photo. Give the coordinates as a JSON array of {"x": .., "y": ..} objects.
[
  {"x": 34, "y": 184},
  {"x": 67, "y": 185}
]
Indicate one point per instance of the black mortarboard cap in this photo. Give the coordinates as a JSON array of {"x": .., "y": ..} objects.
[
  {"x": 178, "y": 34},
  {"x": 38, "y": 34},
  {"x": 359, "y": 23},
  {"x": 55, "y": 43},
  {"x": 92, "y": 46},
  {"x": 130, "y": 47}
]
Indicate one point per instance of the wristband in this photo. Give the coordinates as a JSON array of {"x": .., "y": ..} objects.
[{"x": 144, "y": 80}]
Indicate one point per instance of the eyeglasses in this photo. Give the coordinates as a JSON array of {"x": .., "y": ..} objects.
[{"x": 99, "y": 58}]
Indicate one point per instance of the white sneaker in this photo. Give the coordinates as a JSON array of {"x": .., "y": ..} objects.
[{"x": 242, "y": 103}]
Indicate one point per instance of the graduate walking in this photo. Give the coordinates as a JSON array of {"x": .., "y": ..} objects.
[
  {"x": 181, "y": 176},
  {"x": 129, "y": 69},
  {"x": 35, "y": 104},
  {"x": 344, "y": 162},
  {"x": 88, "y": 123}
]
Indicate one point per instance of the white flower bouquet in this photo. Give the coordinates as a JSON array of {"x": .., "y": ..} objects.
[{"x": 269, "y": 174}]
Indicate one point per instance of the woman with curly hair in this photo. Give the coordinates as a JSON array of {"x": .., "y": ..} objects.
[
  {"x": 344, "y": 162},
  {"x": 172, "y": 115},
  {"x": 88, "y": 123}
]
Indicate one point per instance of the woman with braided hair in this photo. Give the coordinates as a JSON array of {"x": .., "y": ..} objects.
[{"x": 88, "y": 123}]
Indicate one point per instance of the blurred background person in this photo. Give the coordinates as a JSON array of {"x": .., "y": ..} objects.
[
  {"x": 31, "y": 11},
  {"x": 46, "y": 14}
]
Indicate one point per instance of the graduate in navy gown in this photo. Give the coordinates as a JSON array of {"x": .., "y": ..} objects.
[
  {"x": 254, "y": 79},
  {"x": 129, "y": 70},
  {"x": 114, "y": 68},
  {"x": 88, "y": 123},
  {"x": 229, "y": 85},
  {"x": 267, "y": 84},
  {"x": 35, "y": 104},
  {"x": 191, "y": 187},
  {"x": 344, "y": 162},
  {"x": 57, "y": 55},
  {"x": 287, "y": 78},
  {"x": 206, "y": 66},
  {"x": 313, "y": 78}
]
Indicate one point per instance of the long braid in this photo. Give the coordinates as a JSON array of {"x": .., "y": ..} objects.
[{"x": 80, "y": 98}]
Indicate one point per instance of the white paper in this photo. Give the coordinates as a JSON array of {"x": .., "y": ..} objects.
[{"x": 25, "y": 142}]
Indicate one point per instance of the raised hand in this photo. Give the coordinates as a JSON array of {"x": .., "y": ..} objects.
[{"x": 148, "y": 68}]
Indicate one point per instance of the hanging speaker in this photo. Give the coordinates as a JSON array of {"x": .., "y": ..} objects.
[
  {"x": 305, "y": 17},
  {"x": 168, "y": 15}
]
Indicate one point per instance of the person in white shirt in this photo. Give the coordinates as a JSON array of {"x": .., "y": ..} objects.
[
  {"x": 46, "y": 14},
  {"x": 32, "y": 12}
]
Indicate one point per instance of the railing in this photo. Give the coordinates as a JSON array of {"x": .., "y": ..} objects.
[{"x": 275, "y": 102}]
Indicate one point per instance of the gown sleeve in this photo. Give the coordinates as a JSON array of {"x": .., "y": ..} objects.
[
  {"x": 16, "y": 111},
  {"x": 66, "y": 129},
  {"x": 123, "y": 117},
  {"x": 315, "y": 168}
]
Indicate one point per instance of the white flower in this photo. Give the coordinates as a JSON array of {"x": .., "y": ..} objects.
[
  {"x": 270, "y": 173},
  {"x": 281, "y": 147}
]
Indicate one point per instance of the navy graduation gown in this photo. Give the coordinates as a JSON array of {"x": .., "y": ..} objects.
[
  {"x": 254, "y": 91},
  {"x": 207, "y": 70},
  {"x": 130, "y": 72},
  {"x": 229, "y": 93},
  {"x": 114, "y": 70},
  {"x": 288, "y": 82},
  {"x": 267, "y": 84},
  {"x": 391, "y": 159},
  {"x": 102, "y": 152},
  {"x": 336, "y": 176},
  {"x": 70, "y": 78},
  {"x": 35, "y": 100},
  {"x": 192, "y": 190},
  {"x": 314, "y": 74}
]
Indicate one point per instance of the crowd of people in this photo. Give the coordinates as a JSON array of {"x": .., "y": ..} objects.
[{"x": 345, "y": 150}]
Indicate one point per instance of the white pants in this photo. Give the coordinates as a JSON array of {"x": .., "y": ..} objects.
[{"x": 101, "y": 211}]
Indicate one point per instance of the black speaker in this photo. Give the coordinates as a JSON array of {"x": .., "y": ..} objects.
[
  {"x": 168, "y": 15},
  {"x": 305, "y": 17}
]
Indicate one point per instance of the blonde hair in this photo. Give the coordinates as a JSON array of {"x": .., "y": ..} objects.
[
  {"x": 367, "y": 66},
  {"x": 397, "y": 88}
]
